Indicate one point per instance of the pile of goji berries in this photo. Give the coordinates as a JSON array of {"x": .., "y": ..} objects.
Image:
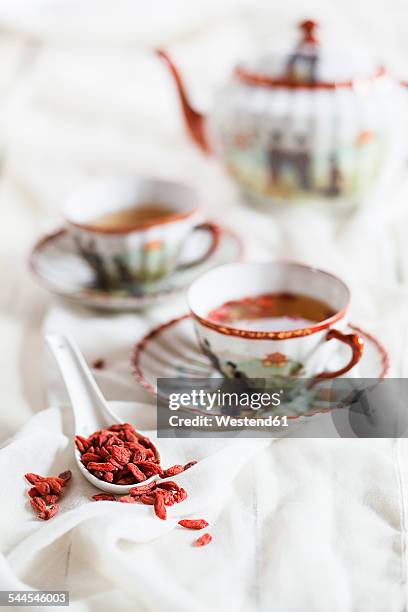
[
  {"x": 45, "y": 493},
  {"x": 122, "y": 456}
]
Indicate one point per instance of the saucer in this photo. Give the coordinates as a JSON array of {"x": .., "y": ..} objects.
[
  {"x": 171, "y": 351},
  {"x": 56, "y": 263}
]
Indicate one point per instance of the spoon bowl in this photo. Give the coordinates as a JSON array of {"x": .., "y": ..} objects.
[{"x": 90, "y": 408}]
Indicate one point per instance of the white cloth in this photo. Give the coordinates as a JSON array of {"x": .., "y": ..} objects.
[
  {"x": 298, "y": 525},
  {"x": 105, "y": 553},
  {"x": 284, "y": 515}
]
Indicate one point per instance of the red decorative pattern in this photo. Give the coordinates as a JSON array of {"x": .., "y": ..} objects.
[
  {"x": 275, "y": 359},
  {"x": 140, "y": 347},
  {"x": 272, "y": 335},
  {"x": 260, "y": 80}
]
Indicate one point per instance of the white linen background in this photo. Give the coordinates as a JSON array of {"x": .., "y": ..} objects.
[{"x": 309, "y": 525}]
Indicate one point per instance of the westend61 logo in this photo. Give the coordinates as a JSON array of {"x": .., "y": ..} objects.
[{"x": 208, "y": 400}]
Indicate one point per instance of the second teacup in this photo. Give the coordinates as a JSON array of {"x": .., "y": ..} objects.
[
  {"x": 132, "y": 230},
  {"x": 272, "y": 320}
]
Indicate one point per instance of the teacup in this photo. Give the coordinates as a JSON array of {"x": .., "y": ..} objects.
[
  {"x": 143, "y": 250},
  {"x": 278, "y": 348}
]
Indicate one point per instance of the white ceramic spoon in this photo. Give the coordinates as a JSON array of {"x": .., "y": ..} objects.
[{"x": 91, "y": 410}]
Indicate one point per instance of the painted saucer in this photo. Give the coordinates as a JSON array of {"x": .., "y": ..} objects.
[
  {"x": 171, "y": 351},
  {"x": 57, "y": 265}
]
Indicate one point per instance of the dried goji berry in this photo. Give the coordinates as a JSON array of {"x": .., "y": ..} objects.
[
  {"x": 49, "y": 512},
  {"x": 168, "y": 497},
  {"x": 55, "y": 486},
  {"x": 121, "y": 454},
  {"x": 81, "y": 443},
  {"x": 126, "y": 480},
  {"x": 169, "y": 484},
  {"x": 205, "y": 539},
  {"x": 34, "y": 478},
  {"x": 151, "y": 449},
  {"x": 149, "y": 468},
  {"x": 101, "y": 467},
  {"x": 138, "y": 474},
  {"x": 34, "y": 492},
  {"x": 147, "y": 499},
  {"x": 120, "y": 474},
  {"x": 173, "y": 471},
  {"x": 38, "y": 504},
  {"x": 102, "y": 439},
  {"x": 108, "y": 476},
  {"x": 43, "y": 488},
  {"x": 127, "y": 499},
  {"x": 159, "y": 507},
  {"x": 130, "y": 436},
  {"x": 113, "y": 461},
  {"x": 103, "y": 497},
  {"x": 51, "y": 499},
  {"x": 150, "y": 456},
  {"x": 189, "y": 465},
  {"x": 87, "y": 457},
  {"x": 135, "y": 446},
  {"x": 193, "y": 523},
  {"x": 140, "y": 490},
  {"x": 180, "y": 495},
  {"x": 61, "y": 481},
  {"x": 139, "y": 455},
  {"x": 65, "y": 476},
  {"x": 114, "y": 440}
]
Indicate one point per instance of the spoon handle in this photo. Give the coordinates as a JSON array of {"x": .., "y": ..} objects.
[{"x": 89, "y": 406}]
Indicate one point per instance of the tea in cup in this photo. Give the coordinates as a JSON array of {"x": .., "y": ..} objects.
[
  {"x": 133, "y": 230},
  {"x": 272, "y": 320}
]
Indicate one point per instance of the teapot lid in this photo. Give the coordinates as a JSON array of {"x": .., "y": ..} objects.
[{"x": 309, "y": 66}]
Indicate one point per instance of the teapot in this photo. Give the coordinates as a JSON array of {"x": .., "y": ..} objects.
[{"x": 303, "y": 125}]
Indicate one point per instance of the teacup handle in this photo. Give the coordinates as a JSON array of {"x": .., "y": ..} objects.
[
  {"x": 354, "y": 341},
  {"x": 215, "y": 232}
]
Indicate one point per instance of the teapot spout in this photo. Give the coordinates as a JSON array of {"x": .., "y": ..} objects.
[{"x": 195, "y": 121}]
